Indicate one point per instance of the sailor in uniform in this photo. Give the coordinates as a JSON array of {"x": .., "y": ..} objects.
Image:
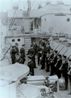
[
  {"x": 48, "y": 60},
  {"x": 58, "y": 65},
  {"x": 44, "y": 53},
  {"x": 31, "y": 66},
  {"x": 17, "y": 52},
  {"x": 53, "y": 62},
  {"x": 31, "y": 55},
  {"x": 69, "y": 75},
  {"x": 35, "y": 47},
  {"x": 17, "y": 49},
  {"x": 64, "y": 70},
  {"x": 39, "y": 54},
  {"x": 13, "y": 54},
  {"x": 22, "y": 55}
]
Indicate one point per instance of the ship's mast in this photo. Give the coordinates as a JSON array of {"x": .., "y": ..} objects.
[{"x": 29, "y": 7}]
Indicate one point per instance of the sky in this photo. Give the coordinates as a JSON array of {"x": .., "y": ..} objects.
[{"x": 7, "y": 4}]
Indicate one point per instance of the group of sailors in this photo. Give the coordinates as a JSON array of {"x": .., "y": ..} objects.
[
  {"x": 49, "y": 60},
  {"x": 17, "y": 55}
]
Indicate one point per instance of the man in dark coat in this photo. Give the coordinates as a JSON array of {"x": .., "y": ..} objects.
[
  {"x": 17, "y": 49},
  {"x": 31, "y": 66},
  {"x": 44, "y": 53},
  {"x": 47, "y": 62},
  {"x": 35, "y": 47},
  {"x": 13, "y": 54},
  {"x": 31, "y": 55},
  {"x": 54, "y": 61},
  {"x": 69, "y": 75},
  {"x": 39, "y": 54},
  {"x": 64, "y": 70},
  {"x": 22, "y": 55},
  {"x": 58, "y": 65}
]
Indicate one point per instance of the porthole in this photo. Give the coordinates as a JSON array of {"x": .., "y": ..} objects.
[
  {"x": 18, "y": 40},
  {"x": 68, "y": 19},
  {"x": 13, "y": 40}
]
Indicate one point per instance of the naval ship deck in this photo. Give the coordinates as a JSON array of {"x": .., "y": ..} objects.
[
  {"x": 39, "y": 72},
  {"x": 61, "y": 93},
  {"x": 51, "y": 22}
]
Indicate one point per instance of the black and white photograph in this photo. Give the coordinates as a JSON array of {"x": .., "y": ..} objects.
[{"x": 35, "y": 48}]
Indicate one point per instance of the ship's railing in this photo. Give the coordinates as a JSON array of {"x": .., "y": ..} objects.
[{"x": 4, "y": 55}]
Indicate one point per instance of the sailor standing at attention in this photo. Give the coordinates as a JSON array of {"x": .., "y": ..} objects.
[
  {"x": 58, "y": 65},
  {"x": 31, "y": 66},
  {"x": 64, "y": 71},
  {"x": 69, "y": 75},
  {"x": 17, "y": 49},
  {"x": 17, "y": 52},
  {"x": 13, "y": 54},
  {"x": 22, "y": 55}
]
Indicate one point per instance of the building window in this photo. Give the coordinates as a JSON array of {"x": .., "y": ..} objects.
[
  {"x": 13, "y": 40},
  {"x": 37, "y": 23},
  {"x": 31, "y": 28},
  {"x": 18, "y": 40}
]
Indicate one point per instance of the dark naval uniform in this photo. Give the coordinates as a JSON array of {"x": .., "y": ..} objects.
[
  {"x": 54, "y": 61},
  {"x": 69, "y": 76},
  {"x": 35, "y": 47},
  {"x": 43, "y": 60},
  {"x": 58, "y": 65},
  {"x": 22, "y": 55},
  {"x": 39, "y": 54},
  {"x": 48, "y": 62},
  {"x": 64, "y": 73},
  {"x": 31, "y": 55},
  {"x": 31, "y": 67},
  {"x": 17, "y": 49},
  {"x": 17, "y": 52},
  {"x": 13, "y": 55}
]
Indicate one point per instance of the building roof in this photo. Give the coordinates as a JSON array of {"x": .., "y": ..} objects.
[{"x": 51, "y": 9}]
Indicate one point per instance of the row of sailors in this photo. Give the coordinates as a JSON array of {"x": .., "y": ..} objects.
[{"x": 49, "y": 60}]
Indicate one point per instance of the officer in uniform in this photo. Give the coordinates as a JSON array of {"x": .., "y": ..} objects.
[
  {"x": 39, "y": 54},
  {"x": 17, "y": 49},
  {"x": 31, "y": 66},
  {"x": 69, "y": 75},
  {"x": 46, "y": 63},
  {"x": 35, "y": 47},
  {"x": 22, "y": 55},
  {"x": 58, "y": 65},
  {"x": 31, "y": 55},
  {"x": 64, "y": 71},
  {"x": 13, "y": 54},
  {"x": 17, "y": 52},
  {"x": 48, "y": 47},
  {"x": 44, "y": 53},
  {"x": 54, "y": 61},
  {"x": 49, "y": 57}
]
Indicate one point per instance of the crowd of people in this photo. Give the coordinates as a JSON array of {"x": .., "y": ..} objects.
[{"x": 50, "y": 60}]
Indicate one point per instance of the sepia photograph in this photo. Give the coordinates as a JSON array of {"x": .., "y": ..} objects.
[{"x": 35, "y": 48}]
